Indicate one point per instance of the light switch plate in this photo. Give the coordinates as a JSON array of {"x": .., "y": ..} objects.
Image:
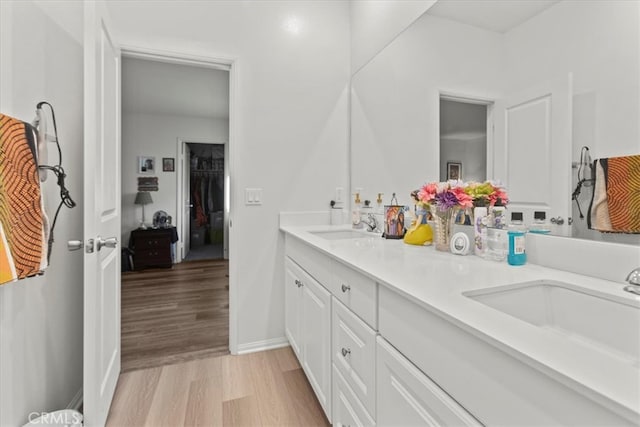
[{"x": 252, "y": 196}]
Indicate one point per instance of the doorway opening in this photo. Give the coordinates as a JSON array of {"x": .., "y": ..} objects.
[
  {"x": 204, "y": 191},
  {"x": 176, "y": 311},
  {"x": 463, "y": 139}
]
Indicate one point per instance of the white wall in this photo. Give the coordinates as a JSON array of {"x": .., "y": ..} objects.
[
  {"x": 374, "y": 24},
  {"x": 291, "y": 138},
  {"x": 156, "y": 135},
  {"x": 41, "y": 318},
  {"x": 395, "y": 105},
  {"x": 599, "y": 41}
]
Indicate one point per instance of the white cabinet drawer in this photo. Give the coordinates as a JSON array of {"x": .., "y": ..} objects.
[
  {"x": 353, "y": 352},
  {"x": 348, "y": 411},
  {"x": 357, "y": 291},
  {"x": 407, "y": 397},
  {"x": 311, "y": 260}
]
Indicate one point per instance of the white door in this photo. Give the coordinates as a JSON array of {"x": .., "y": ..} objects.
[
  {"x": 186, "y": 201},
  {"x": 101, "y": 215},
  {"x": 315, "y": 334},
  {"x": 533, "y": 148}
]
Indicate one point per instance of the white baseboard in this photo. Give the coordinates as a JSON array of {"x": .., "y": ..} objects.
[
  {"x": 77, "y": 400},
  {"x": 269, "y": 344}
]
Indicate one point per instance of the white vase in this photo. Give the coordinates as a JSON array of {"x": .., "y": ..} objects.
[{"x": 480, "y": 230}]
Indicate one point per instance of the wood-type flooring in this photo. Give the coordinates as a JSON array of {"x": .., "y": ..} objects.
[
  {"x": 174, "y": 315},
  {"x": 260, "y": 389}
]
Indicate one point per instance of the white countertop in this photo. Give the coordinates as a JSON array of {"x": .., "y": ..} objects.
[{"x": 436, "y": 280}]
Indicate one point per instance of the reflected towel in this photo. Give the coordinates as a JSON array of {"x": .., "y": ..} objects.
[
  {"x": 21, "y": 211},
  {"x": 615, "y": 206}
]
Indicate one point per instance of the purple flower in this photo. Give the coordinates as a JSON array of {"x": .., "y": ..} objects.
[{"x": 445, "y": 200}]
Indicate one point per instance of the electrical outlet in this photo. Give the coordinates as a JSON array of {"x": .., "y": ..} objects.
[{"x": 339, "y": 195}]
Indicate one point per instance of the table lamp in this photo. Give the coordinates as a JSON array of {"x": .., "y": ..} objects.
[{"x": 143, "y": 198}]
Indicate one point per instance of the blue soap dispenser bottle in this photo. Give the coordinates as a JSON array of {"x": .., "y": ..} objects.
[{"x": 516, "y": 232}]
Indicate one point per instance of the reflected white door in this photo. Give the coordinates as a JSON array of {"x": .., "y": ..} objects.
[
  {"x": 533, "y": 148},
  {"x": 186, "y": 203},
  {"x": 102, "y": 215}
]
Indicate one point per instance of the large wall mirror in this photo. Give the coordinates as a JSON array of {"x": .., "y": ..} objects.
[{"x": 550, "y": 77}]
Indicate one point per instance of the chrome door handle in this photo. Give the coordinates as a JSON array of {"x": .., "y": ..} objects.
[
  {"x": 299, "y": 283},
  {"x": 110, "y": 242},
  {"x": 558, "y": 221},
  {"x": 346, "y": 352},
  {"x": 74, "y": 245},
  {"x": 345, "y": 288}
]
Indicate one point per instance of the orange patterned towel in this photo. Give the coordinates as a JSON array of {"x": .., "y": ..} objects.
[
  {"x": 22, "y": 250},
  {"x": 623, "y": 192},
  {"x": 615, "y": 206}
]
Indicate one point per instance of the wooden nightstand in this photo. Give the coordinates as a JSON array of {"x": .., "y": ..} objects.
[{"x": 151, "y": 248}]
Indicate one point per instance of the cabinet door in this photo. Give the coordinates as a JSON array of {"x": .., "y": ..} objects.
[
  {"x": 407, "y": 397},
  {"x": 293, "y": 306},
  {"x": 348, "y": 411},
  {"x": 316, "y": 339}
]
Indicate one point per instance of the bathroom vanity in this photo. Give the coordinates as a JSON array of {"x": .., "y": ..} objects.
[{"x": 394, "y": 334}]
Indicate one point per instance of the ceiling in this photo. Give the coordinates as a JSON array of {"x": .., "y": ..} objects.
[
  {"x": 493, "y": 15},
  {"x": 153, "y": 87}
]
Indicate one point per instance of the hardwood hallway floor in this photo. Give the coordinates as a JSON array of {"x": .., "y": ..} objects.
[
  {"x": 259, "y": 389},
  {"x": 174, "y": 315}
]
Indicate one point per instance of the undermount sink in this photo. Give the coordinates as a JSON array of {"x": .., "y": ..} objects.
[
  {"x": 591, "y": 318},
  {"x": 341, "y": 234}
]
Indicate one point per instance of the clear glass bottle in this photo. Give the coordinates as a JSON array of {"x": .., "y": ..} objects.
[{"x": 497, "y": 244}]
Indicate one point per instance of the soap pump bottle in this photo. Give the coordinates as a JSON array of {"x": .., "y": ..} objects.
[
  {"x": 356, "y": 221},
  {"x": 379, "y": 211}
]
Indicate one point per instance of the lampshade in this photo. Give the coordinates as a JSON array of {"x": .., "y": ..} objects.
[{"x": 143, "y": 198}]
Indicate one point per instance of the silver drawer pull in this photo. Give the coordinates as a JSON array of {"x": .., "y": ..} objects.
[
  {"x": 298, "y": 282},
  {"x": 345, "y": 352},
  {"x": 345, "y": 288}
]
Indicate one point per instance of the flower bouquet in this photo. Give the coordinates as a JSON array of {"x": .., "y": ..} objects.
[{"x": 451, "y": 198}]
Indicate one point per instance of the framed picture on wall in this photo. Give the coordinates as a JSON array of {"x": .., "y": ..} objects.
[
  {"x": 454, "y": 170},
  {"x": 146, "y": 164},
  {"x": 168, "y": 164}
]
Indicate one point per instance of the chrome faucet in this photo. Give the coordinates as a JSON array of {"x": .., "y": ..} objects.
[
  {"x": 634, "y": 282},
  {"x": 372, "y": 223}
]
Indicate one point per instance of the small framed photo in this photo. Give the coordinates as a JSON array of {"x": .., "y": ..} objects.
[
  {"x": 146, "y": 164},
  {"x": 454, "y": 170},
  {"x": 168, "y": 164}
]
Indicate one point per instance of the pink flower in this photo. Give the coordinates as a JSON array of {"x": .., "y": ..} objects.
[
  {"x": 498, "y": 193},
  {"x": 464, "y": 200},
  {"x": 428, "y": 192}
]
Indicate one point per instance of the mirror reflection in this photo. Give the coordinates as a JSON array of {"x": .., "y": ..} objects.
[
  {"x": 551, "y": 80},
  {"x": 463, "y": 140}
]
